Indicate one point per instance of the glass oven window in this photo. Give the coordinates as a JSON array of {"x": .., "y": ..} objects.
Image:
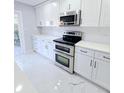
[
  {"x": 70, "y": 18},
  {"x": 62, "y": 60},
  {"x": 65, "y": 49}
]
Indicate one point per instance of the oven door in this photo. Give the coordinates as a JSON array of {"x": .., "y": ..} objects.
[
  {"x": 67, "y": 49},
  {"x": 64, "y": 61}
]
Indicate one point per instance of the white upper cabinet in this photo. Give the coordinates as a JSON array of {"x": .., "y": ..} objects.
[
  {"x": 90, "y": 12},
  {"x": 105, "y": 13},
  {"x": 94, "y": 13},
  {"x": 64, "y": 5},
  {"x": 47, "y": 13},
  {"x": 75, "y": 4},
  {"x": 69, "y": 5},
  {"x": 38, "y": 16}
]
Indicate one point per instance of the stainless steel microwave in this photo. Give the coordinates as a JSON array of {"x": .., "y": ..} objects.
[{"x": 70, "y": 18}]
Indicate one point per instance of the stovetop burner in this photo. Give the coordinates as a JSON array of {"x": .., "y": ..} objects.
[
  {"x": 69, "y": 38},
  {"x": 60, "y": 40}
]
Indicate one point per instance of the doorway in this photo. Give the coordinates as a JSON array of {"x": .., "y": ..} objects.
[
  {"x": 18, "y": 36},
  {"x": 16, "y": 31}
]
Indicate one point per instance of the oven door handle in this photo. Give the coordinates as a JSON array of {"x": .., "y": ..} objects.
[{"x": 57, "y": 51}]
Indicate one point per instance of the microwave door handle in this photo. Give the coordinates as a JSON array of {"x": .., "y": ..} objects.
[{"x": 75, "y": 18}]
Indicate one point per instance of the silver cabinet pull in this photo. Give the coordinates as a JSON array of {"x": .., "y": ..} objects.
[
  {"x": 40, "y": 23},
  {"x": 91, "y": 63},
  {"x": 83, "y": 51},
  {"x": 95, "y": 65},
  {"x": 106, "y": 57},
  {"x": 69, "y": 7}
]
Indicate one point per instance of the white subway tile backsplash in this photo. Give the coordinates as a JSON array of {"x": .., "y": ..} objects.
[{"x": 93, "y": 34}]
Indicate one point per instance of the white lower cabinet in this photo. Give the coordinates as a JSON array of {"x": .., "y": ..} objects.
[
  {"x": 83, "y": 65},
  {"x": 51, "y": 51},
  {"x": 93, "y": 67},
  {"x": 101, "y": 73},
  {"x": 44, "y": 47}
]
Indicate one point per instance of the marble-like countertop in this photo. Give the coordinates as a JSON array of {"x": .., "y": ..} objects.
[{"x": 94, "y": 46}]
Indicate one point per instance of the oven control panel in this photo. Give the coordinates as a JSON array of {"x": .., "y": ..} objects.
[{"x": 73, "y": 33}]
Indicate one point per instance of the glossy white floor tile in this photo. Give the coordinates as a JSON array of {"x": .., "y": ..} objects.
[
  {"x": 22, "y": 83},
  {"x": 48, "y": 78},
  {"x": 17, "y": 51}
]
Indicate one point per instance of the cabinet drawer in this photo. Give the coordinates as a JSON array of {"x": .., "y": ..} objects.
[
  {"x": 102, "y": 56},
  {"x": 84, "y": 51}
]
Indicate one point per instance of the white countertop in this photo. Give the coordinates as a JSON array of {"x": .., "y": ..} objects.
[{"x": 94, "y": 46}]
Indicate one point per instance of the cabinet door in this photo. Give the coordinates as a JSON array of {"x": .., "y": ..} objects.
[
  {"x": 105, "y": 13},
  {"x": 74, "y": 5},
  {"x": 38, "y": 16},
  {"x": 51, "y": 50},
  {"x": 39, "y": 46},
  {"x": 101, "y": 73},
  {"x": 69, "y": 5},
  {"x": 44, "y": 48},
  {"x": 90, "y": 12},
  {"x": 47, "y": 13},
  {"x": 36, "y": 44},
  {"x": 64, "y": 5},
  {"x": 51, "y": 13},
  {"x": 83, "y": 65}
]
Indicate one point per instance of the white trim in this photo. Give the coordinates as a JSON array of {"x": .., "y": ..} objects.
[{"x": 21, "y": 30}]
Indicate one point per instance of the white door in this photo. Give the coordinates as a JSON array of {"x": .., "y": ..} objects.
[
  {"x": 105, "y": 13},
  {"x": 90, "y": 12},
  {"x": 101, "y": 73},
  {"x": 19, "y": 38},
  {"x": 83, "y": 65}
]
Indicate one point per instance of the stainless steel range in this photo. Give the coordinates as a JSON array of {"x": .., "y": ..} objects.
[{"x": 65, "y": 48}]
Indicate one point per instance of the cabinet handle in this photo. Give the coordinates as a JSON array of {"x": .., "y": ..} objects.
[
  {"x": 40, "y": 23},
  {"x": 83, "y": 51},
  {"x": 69, "y": 6},
  {"x": 49, "y": 42},
  {"x": 106, "y": 57},
  {"x": 46, "y": 46},
  {"x": 91, "y": 63},
  {"x": 95, "y": 65}
]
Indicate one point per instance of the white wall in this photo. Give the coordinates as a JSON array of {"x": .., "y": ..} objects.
[
  {"x": 29, "y": 24},
  {"x": 92, "y": 34}
]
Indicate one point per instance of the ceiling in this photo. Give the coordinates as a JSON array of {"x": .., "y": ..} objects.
[{"x": 31, "y": 2}]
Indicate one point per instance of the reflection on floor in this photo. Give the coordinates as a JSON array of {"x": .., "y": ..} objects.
[
  {"x": 48, "y": 78},
  {"x": 21, "y": 82},
  {"x": 17, "y": 51}
]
